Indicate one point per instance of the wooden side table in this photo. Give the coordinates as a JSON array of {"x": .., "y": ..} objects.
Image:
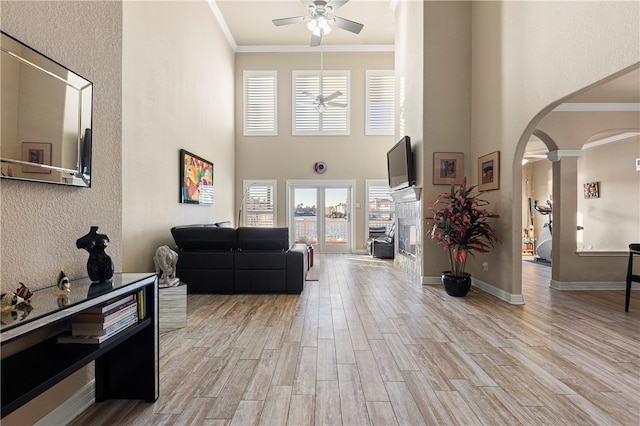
[
  {"x": 528, "y": 247},
  {"x": 172, "y": 307}
]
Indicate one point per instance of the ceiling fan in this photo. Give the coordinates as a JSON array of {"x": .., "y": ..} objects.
[
  {"x": 321, "y": 102},
  {"x": 320, "y": 20}
]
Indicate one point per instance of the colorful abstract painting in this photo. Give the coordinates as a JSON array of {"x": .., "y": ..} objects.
[{"x": 196, "y": 179}]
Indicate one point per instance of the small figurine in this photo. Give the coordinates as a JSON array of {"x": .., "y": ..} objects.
[
  {"x": 99, "y": 266},
  {"x": 62, "y": 299},
  {"x": 25, "y": 308},
  {"x": 63, "y": 282},
  {"x": 7, "y": 317},
  {"x": 165, "y": 262},
  {"x": 24, "y": 292},
  {"x": 9, "y": 300}
]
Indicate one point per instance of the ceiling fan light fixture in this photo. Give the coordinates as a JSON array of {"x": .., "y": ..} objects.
[
  {"x": 312, "y": 25},
  {"x": 319, "y": 20}
]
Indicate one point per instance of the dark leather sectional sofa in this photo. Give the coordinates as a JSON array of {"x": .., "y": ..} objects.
[{"x": 215, "y": 259}]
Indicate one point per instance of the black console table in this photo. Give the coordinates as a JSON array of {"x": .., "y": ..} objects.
[{"x": 126, "y": 365}]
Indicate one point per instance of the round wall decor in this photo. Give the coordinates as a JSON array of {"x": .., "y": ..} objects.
[{"x": 320, "y": 167}]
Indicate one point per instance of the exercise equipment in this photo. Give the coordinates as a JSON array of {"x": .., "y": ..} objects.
[{"x": 543, "y": 249}]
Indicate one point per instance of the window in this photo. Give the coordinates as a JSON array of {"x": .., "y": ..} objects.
[
  {"x": 259, "y": 203},
  {"x": 306, "y": 118},
  {"x": 260, "y": 111},
  {"x": 381, "y": 209},
  {"x": 380, "y": 102}
]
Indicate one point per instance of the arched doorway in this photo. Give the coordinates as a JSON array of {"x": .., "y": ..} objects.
[{"x": 565, "y": 129}]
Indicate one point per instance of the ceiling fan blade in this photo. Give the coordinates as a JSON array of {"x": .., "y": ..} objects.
[
  {"x": 287, "y": 21},
  {"x": 333, "y": 96},
  {"x": 315, "y": 40},
  {"x": 307, "y": 3},
  {"x": 309, "y": 94},
  {"x": 346, "y": 24},
  {"x": 337, "y": 4},
  {"x": 337, "y": 104}
]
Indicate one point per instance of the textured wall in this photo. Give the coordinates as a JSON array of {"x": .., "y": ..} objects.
[{"x": 41, "y": 222}]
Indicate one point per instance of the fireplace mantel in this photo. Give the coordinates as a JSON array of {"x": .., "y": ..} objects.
[{"x": 406, "y": 195}]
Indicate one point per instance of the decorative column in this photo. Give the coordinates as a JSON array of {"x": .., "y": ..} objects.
[{"x": 565, "y": 208}]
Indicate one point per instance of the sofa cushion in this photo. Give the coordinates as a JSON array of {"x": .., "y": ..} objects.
[
  {"x": 206, "y": 260},
  {"x": 204, "y": 237},
  {"x": 263, "y": 238},
  {"x": 260, "y": 260}
]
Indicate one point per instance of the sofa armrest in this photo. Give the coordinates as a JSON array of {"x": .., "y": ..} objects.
[{"x": 297, "y": 265}]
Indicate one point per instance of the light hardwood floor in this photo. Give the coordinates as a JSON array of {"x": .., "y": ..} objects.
[{"x": 363, "y": 345}]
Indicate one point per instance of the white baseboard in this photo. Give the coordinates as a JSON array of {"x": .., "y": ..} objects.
[
  {"x": 72, "y": 407},
  {"x": 591, "y": 285},
  {"x": 514, "y": 299},
  {"x": 431, "y": 280}
]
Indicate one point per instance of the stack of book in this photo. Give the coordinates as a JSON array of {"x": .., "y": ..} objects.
[{"x": 95, "y": 325}]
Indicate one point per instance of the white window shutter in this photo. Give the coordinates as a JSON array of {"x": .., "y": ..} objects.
[
  {"x": 380, "y": 102},
  {"x": 259, "y": 203},
  {"x": 260, "y": 106},
  {"x": 306, "y": 118}
]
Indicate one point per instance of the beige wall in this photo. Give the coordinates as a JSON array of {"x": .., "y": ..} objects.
[
  {"x": 611, "y": 222},
  {"x": 446, "y": 104},
  {"x": 177, "y": 93},
  {"x": 284, "y": 156},
  {"x": 519, "y": 75},
  {"x": 41, "y": 222},
  {"x": 409, "y": 68}
]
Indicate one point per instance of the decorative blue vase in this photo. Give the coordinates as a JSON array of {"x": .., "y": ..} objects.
[{"x": 99, "y": 266}]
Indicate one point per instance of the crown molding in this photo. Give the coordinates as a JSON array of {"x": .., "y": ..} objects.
[
  {"x": 223, "y": 24},
  {"x": 597, "y": 107},
  {"x": 325, "y": 48}
]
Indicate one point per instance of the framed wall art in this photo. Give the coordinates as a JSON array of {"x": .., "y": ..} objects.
[
  {"x": 196, "y": 179},
  {"x": 489, "y": 171},
  {"x": 592, "y": 190},
  {"x": 36, "y": 152},
  {"x": 448, "y": 167}
]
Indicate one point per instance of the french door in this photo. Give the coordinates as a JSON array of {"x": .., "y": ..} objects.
[{"x": 320, "y": 212}]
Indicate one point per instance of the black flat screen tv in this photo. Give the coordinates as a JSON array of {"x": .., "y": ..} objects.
[{"x": 400, "y": 165}]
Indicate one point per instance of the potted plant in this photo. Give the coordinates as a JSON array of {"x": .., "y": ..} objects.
[{"x": 461, "y": 224}]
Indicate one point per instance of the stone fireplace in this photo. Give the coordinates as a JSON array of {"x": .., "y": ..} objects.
[{"x": 408, "y": 256}]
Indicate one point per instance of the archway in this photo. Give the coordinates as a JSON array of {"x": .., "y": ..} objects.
[{"x": 566, "y": 149}]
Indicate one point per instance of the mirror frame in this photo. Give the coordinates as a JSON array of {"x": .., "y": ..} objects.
[{"x": 81, "y": 175}]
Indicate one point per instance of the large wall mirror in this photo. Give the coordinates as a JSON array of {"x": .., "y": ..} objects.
[{"x": 45, "y": 123}]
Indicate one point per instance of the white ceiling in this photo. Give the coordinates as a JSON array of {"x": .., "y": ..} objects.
[{"x": 249, "y": 22}]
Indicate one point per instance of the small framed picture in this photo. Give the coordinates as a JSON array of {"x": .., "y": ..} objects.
[
  {"x": 448, "y": 167},
  {"x": 489, "y": 171},
  {"x": 592, "y": 190},
  {"x": 36, "y": 152}
]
